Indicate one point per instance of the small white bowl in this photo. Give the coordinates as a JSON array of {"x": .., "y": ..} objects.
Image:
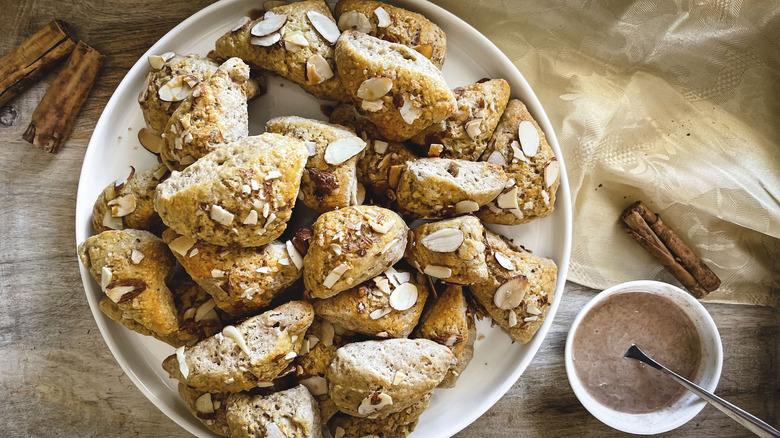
[{"x": 689, "y": 405}]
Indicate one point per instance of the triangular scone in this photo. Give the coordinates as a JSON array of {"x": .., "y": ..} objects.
[
  {"x": 329, "y": 180},
  {"x": 132, "y": 267},
  {"x": 293, "y": 47},
  {"x": 397, "y": 425},
  {"x": 387, "y": 306},
  {"x": 396, "y": 25},
  {"x": 290, "y": 413},
  {"x": 243, "y": 356},
  {"x": 450, "y": 322},
  {"x": 377, "y": 378},
  {"x": 129, "y": 201},
  {"x": 214, "y": 113},
  {"x": 466, "y": 132},
  {"x": 401, "y": 91},
  {"x": 241, "y": 193},
  {"x": 520, "y": 147},
  {"x": 521, "y": 283},
  {"x": 208, "y": 407},
  {"x": 241, "y": 280}
]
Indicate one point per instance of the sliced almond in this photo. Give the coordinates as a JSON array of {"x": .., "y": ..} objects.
[
  {"x": 517, "y": 153},
  {"x": 232, "y": 333},
  {"x": 150, "y": 141},
  {"x": 220, "y": 215},
  {"x": 217, "y": 273},
  {"x": 175, "y": 90},
  {"x": 528, "y": 137},
  {"x": 382, "y": 228},
  {"x": 532, "y": 309},
  {"x": 394, "y": 175},
  {"x": 510, "y": 294},
  {"x": 511, "y": 319},
  {"x": 294, "y": 41},
  {"x": 251, "y": 218},
  {"x": 374, "y": 402},
  {"x": 442, "y": 272},
  {"x": 425, "y": 50},
  {"x": 340, "y": 432},
  {"x": 270, "y": 23},
  {"x": 123, "y": 205},
  {"x": 317, "y": 70},
  {"x": 158, "y": 61},
  {"x": 379, "y": 313},
  {"x": 241, "y": 23},
  {"x": 473, "y": 128},
  {"x": 125, "y": 178},
  {"x": 105, "y": 277},
  {"x": 508, "y": 200},
  {"x": 372, "y": 106},
  {"x": 504, "y": 261},
  {"x": 496, "y": 157},
  {"x": 380, "y": 147},
  {"x": 409, "y": 111},
  {"x": 316, "y": 385},
  {"x": 466, "y": 207},
  {"x": 182, "y": 244},
  {"x": 324, "y": 26},
  {"x": 125, "y": 289},
  {"x": 551, "y": 172},
  {"x": 272, "y": 430},
  {"x": 136, "y": 256},
  {"x": 328, "y": 332},
  {"x": 398, "y": 377},
  {"x": 354, "y": 20},
  {"x": 374, "y": 88},
  {"x": 446, "y": 240},
  {"x": 265, "y": 41},
  {"x": 403, "y": 297},
  {"x": 183, "y": 368},
  {"x": 295, "y": 256},
  {"x": 204, "y": 309},
  {"x": 343, "y": 149},
  {"x": 335, "y": 275},
  {"x": 204, "y": 404},
  {"x": 382, "y": 17}
]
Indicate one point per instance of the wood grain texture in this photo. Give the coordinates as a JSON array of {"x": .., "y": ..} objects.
[{"x": 58, "y": 378}]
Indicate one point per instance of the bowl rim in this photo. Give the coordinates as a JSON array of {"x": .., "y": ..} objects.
[{"x": 627, "y": 422}]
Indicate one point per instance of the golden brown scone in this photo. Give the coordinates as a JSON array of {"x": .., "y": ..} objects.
[
  {"x": 295, "y": 49},
  {"x": 431, "y": 188},
  {"x": 244, "y": 356},
  {"x": 241, "y": 193},
  {"x": 522, "y": 283},
  {"x": 528, "y": 161},
  {"x": 377, "y": 378},
  {"x": 284, "y": 414},
  {"x": 397, "y": 425},
  {"x": 450, "y": 322},
  {"x": 401, "y": 91},
  {"x": 128, "y": 202},
  {"x": 329, "y": 180},
  {"x": 208, "y": 407},
  {"x": 387, "y": 306},
  {"x": 132, "y": 267},
  {"x": 450, "y": 249},
  {"x": 466, "y": 132},
  {"x": 352, "y": 245},
  {"x": 397, "y": 26},
  {"x": 214, "y": 113},
  {"x": 241, "y": 280}
]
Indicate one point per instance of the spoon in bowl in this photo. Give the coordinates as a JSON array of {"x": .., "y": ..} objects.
[{"x": 752, "y": 423}]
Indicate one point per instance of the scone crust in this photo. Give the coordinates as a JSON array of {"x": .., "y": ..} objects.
[
  {"x": 397, "y": 425},
  {"x": 141, "y": 187},
  {"x": 215, "y": 421},
  {"x": 294, "y": 412}
]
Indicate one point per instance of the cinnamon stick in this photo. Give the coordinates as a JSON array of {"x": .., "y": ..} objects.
[
  {"x": 668, "y": 248},
  {"x": 34, "y": 57},
  {"x": 54, "y": 116}
]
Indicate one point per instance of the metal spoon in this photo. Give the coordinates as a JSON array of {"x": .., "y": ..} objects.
[{"x": 752, "y": 423}]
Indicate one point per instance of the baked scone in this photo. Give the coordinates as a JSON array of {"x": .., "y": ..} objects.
[
  {"x": 241, "y": 280},
  {"x": 352, "y": 245},
  {"x": 394, "y": 24},
  {"x": 450, "y": 249},
  {"x": 401, "y": 91},
  {"x": 244, "y": 356},
  {"x": 377, "y": 378},
  {"x": 431, "y": 188},
  {"x": 214, "y": 113},
  {"x": 519, "y": 146},
  {"x": 128, "y": 202},
  {"x": 450, "y": 322},
  {"x": 208, "y": 407},
  {"x": 396, "y": 425},
  {"x": 241, "y": 193},
  {"x": 290, "y": 413},
  {"x": 329, "y": 180},
  {"x": 387, "y": 306},
  {"x": 287, "y": 42},
  {"x": 519, "y": 288},
  {"x": 466, "y": 132},
  {"x": 132, "y": 267}
]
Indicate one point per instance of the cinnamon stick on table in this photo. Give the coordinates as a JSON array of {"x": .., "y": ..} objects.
[
  {"x": 34, "y": 57},
  {"x": 666, "y": 246},
  {"x": 54, "y": 116}
]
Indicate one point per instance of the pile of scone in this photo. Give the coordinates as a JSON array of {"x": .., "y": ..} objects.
[{"x": 350, "y": 322}]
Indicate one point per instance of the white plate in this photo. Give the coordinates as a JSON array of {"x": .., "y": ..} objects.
[{"x": 470, "y": 56}]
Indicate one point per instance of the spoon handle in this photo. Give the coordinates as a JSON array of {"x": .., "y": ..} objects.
[{"x": 747, "y": 420}]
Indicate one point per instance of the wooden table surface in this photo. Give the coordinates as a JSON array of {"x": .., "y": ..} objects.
[{"x": 58, "y": 378}]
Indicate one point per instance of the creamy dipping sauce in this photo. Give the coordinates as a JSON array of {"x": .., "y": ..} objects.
[{"x": 654, "y": 323}]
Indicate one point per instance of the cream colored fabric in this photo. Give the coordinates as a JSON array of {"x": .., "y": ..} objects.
[{"x": 674, "y": 103}]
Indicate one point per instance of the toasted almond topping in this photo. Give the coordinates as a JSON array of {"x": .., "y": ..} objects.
[
  {"x": 531, "y": 318},
  {"x": 123, "y": 205},
  {"x": 398, "y": 377},
  {"x": 374, "y": 88},
  {"x": 183, "y": 368},
  {"x": 241, "y": 23},
  {"x": 158, "y": 61},
  {"x": 335, "y": 275},
  {"x": 265, "y": 41},
  {"x": 317, "y": 70},
  {"x": 466, "y": 207},
  {"x": 340, "y": 432},
  {"x": 316, "y": 385},
  {"x": 343, "y": 149},
  {"x": 324, "y": 26},
  {"x": 150, "y": 141},
  {"x": 295, "y": 39},
  {"x": 394, "y": 175},
  {"x": 312, "y": 147},
  {"x": 445, "y": 240},
  {"x": 382, "y": 17},
  {"x": 217, "y": 273},
  {"x": 551, "y": 172},
  {"x": 290, "y": 355},
  {"x": 504, "y": 261},
  {"x": 251, "y": 218},
  {"x": 189, "y": 313},
  {"x": 127, "y": 175},
  {"x": 270, "y": 23},
  {"x": 219, "y": 214},
  {"x": 360, "y": 195},
  {"x": 382, "y": 228},
  {"x": 136, "y": 256},
  {"x": 273, "y": 431},
  {"x": 204, "y": 404},
  {"x": 374, "y": 402},
  {"x": 532, "y": 309},
  {"x": 204, "y": 310},
  {"x": 383, "y": 284},
  {"x": 380, "y": 147},
  {"x": 435, "y": 150},
  {"x": 511, "y": 318},
  {"x": 372, "y": 106},
  {"x": 182, "y": 244},
  {"x": 354, "y": 20},
  {"x": 328, "y": 332},
  {"x": 124, "y": 289},
  {"x": 425, "y": 50},
  {"x": 528, "y": 137},
  {"x": 233, "y": 333},
  {"x": 174, "y": 90},
  {"x": 105, "y": 277},
  {"x": 379, "y": 313},
  {"x": 403, "y": 297},
  {"x": 410, "y": 111},
  {"x": 510, "y": 294},
  {"x": 295, "y": 256},
  {"x": 442, "y": 272},
  {"x": 473, "y": 128},
  {"x": 508, "y": 200}
]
